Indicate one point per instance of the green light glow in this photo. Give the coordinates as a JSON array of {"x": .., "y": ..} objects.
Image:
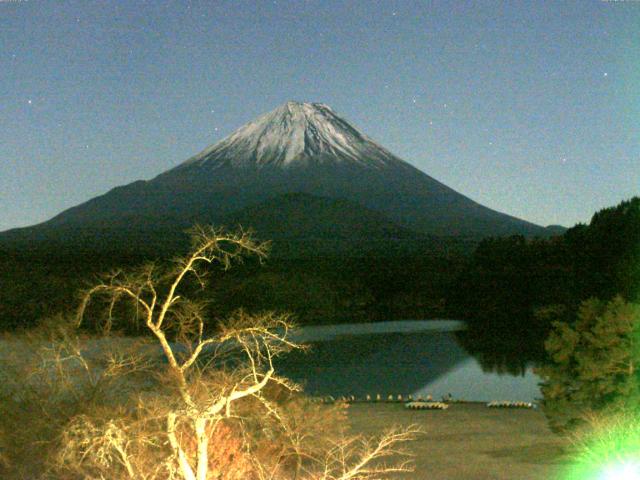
[{"x": 608, "y": 449}]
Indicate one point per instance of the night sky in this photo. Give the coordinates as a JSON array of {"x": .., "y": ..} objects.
[{"x": 531, "y": 108}]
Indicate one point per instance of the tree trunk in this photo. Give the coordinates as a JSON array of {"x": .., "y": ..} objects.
[
  {"x": 183, "y": 461},
  {"x": 203, "y": 446}
]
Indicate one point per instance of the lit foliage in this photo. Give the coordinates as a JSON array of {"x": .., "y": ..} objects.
[{"x": 593, "y": 363}]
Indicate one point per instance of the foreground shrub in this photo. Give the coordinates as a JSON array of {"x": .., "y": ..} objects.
[{"x": 593, "y": 363}]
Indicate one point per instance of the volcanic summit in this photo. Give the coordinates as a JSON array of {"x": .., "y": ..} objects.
[{"x": 292, "y": 165}]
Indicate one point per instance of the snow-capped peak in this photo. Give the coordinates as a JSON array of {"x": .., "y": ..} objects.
[{"x": 295, "y": 133}]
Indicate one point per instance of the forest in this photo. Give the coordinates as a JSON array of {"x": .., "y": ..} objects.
[{"x": 499, "y": 284}]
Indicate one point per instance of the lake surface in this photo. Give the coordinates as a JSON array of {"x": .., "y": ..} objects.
[{"x": 404, "y": 357}]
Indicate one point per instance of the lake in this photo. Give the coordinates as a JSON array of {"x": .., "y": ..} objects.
[
  {"x": 412, "y": 357},
  {"x": 401, "y": 357}
]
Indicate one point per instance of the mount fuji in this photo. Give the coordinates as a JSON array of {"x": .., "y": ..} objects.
[{"x": 299, "y": 171}]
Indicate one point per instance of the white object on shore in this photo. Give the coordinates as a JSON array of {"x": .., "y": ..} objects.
[
  {"x": 508, "y": 404},
  {"x": 427, "y": 405}
]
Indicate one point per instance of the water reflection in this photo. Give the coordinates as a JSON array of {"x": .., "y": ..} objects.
[
  {"x": 502, "y": 352},
  {"x": 418, "y": 357}
]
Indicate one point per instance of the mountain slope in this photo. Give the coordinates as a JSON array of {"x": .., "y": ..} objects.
[
  {"x": 303, "y": 225},
  {"x": 299, "y": 215},
  {"x": 297, "y": 148}
]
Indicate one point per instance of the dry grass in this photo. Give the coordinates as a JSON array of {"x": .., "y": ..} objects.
[
  {"x": 46, "y": 388},
  {"x": 470, "y": 441}
]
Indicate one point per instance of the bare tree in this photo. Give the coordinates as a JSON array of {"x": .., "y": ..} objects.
[{"x": 209, "y": 382}]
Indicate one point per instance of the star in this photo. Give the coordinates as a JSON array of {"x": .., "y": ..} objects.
[
  {"x": 29, "y": 102},
  {"x": 394, "y": 13},
  {"x": 605, "y": 74}
]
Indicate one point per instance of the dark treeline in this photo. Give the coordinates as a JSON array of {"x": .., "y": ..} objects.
[
  {"x": 378, "y": 286},
  {"x": 504, "y": 286},
  {"x": 35, "y": 285},
  {"x": 511, "y": 288}
]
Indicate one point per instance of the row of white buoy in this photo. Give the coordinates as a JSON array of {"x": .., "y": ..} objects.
[
  {"x": 508, "y": 404},
  {"x": 376, "y": 398},
  {"x": 445, "y": 405},
  {"x": 427, "y": 405},
  {"x": 419, "y": 402}
]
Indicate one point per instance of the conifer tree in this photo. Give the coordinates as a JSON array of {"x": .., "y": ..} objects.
[{"x": 593, "y": 363}]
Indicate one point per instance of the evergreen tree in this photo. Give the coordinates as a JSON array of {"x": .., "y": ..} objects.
[{"x": 593, "y": 362}]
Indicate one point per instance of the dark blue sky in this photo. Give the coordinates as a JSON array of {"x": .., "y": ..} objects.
[{"x": 531, "y": 108}]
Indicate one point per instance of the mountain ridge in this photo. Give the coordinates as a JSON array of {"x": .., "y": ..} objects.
[{"x": 301, "y": 148}]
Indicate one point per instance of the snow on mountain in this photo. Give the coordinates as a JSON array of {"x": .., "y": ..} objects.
[{"x": 294, "y": 133}]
